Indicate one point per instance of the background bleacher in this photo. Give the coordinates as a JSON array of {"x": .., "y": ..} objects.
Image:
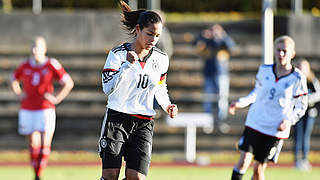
[{"x": 79, "y": 117}]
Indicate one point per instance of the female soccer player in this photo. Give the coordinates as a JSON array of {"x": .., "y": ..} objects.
[
  {"x": 278, "y": 101},
  {"x": 37, "y": 114},
  {"x": 133, "y": 75}
]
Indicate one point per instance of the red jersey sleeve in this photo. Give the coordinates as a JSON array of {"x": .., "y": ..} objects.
[
  {"x": 59, "y": 71},
  {"x": 17, "y": 74}
]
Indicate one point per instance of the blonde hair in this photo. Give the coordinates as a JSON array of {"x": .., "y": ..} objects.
[
  {"x": 39, "y": 39},
  {"x": 310, "y": 76},
  {"x": 283, "y": 39}
]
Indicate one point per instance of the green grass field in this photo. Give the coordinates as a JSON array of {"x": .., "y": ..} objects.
[{"x": 156, "y": 173}]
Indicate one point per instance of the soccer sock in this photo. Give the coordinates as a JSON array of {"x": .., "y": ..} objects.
[
  {"x": 34, "y": 156},
  {"x": 236, "y": 175},
  {"x": 43, "y": 159}
]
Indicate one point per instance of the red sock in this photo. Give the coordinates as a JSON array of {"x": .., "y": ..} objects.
[
  {"x": 43, "y": 159},
  {"x": 34, "y": 156}
]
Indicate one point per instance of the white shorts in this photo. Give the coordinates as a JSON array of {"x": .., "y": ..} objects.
[{"x": 36, "y": 120}]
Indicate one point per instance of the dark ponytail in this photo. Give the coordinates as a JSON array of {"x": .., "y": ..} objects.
[{"x": 142, "y": 17}]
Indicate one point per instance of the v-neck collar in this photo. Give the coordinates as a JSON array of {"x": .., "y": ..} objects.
[
  {"x": 142, "y": 62},
  {"x": 275, "y": 74}
]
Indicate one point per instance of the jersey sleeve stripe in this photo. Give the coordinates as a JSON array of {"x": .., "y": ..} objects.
[
  {"x": 304, "y": 94},
  {"x": 163, "y": 78},
  {"x": 109, "y": 70}
]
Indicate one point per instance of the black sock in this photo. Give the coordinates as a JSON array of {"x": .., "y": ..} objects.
[{"x": 236, "y": 175}]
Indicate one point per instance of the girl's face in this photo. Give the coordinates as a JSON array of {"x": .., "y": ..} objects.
[
  {"x": 284, "y": 53},
  {"x": 149, "y": 36},
  {"x": 39, "y": 49}
]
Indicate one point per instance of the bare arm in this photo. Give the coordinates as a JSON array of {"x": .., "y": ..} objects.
[
  {"x": 17, "y": 90},
  {"x": 62, "y": 93}
]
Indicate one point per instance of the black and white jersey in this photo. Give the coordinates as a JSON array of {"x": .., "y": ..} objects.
[
  {"x": 275, "y": 99},
  {"x": 131, "y": 88}
]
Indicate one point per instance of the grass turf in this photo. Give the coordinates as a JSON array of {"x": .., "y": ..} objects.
[
  {"x": 60, "y": 172},
  {"x": 156, "y": 173}
]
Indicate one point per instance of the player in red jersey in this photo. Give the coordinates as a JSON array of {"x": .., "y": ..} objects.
[{"x": 37, "y": 113}]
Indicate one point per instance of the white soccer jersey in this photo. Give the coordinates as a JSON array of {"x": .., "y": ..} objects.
[
  {"x": 131, "y": 88},
  {"x": 275, "y": 100}
]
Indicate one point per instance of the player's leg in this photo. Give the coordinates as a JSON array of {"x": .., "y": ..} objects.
[
  {"x": 112, "y": 144},
  {"x": 27, "y": 121},
  {"x": 45, "y": 150},
  {"x": 45, "y": 125},
  {"x": 110, "y": 174},
  {"x": 138, "y": 156},
  {"x": 246, "y": 147},
  {"x": 134, "y": 175},
  {"x": 35, "y": 148},
  {"x": 267, "y": 149},
  {"x": 241, "y": 167},
  {"x": 258, "y": 170}
]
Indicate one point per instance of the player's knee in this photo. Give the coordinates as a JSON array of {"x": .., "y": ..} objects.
[
  {"x": 134, "y": 175},
  {"x": 258, "y": 169},
  {"x": 109, "y": 174}
]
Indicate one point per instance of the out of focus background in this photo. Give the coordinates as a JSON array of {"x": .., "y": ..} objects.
[{"x": 80, "y": 33}]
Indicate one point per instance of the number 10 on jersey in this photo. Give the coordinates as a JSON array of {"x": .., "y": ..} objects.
[{"x": 143, "y": 81}]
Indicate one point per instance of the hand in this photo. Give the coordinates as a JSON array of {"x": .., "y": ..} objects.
[
  {"x": 284, "y": 125},
  {"x": 51, "y": 98},
  {"x": 132, "y": 57},
  {"x": 232, "y": 108},
  {"x": 172, "y": 110}
]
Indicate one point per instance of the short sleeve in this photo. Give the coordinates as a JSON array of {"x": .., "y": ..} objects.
[{"x": 59, "y": 71}]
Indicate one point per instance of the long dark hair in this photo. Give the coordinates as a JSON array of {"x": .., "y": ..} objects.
[{"x": 142, "y": 17}]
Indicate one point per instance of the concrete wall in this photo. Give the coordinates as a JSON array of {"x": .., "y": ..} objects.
[
  {"x": 304, "y": 30},
  {"x": 77, "y": 32}
]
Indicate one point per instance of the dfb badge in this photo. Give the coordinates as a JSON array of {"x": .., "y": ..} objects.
[{"x": 155, "y": 65}]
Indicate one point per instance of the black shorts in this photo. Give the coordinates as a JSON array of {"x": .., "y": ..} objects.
[
  {"x": 123, "y": 135},
  {"x": 262, "y": 146}
]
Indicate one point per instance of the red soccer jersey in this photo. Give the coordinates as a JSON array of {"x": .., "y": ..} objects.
[{"x": 37, "y": 80}]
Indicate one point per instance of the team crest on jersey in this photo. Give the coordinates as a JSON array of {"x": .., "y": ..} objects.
[
  {"x": 155, "y": 65},
  {"x": 44, "y": 71},
  {"x": 286, "y": 85}
]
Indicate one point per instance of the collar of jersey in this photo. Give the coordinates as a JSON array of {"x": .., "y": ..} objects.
[
  {"x": 128, "y": 47},
  {"x": 34, "y": 64}
]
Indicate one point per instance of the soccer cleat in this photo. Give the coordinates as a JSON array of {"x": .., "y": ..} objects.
[{"x": 37, "y": 178}]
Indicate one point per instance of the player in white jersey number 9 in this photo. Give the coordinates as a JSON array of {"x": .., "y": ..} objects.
[{"x": 277, "y": 102}]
